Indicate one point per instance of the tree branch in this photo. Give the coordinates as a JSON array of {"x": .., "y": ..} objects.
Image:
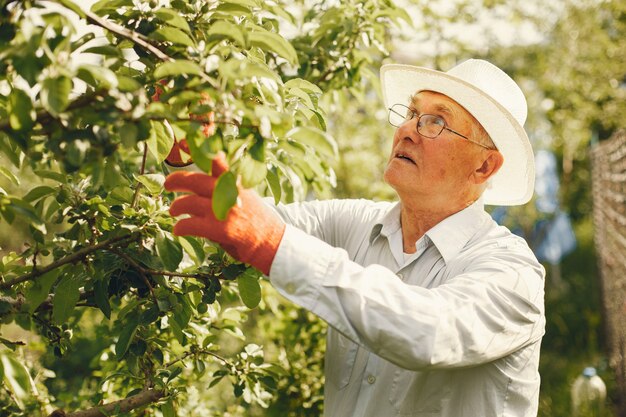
[
  {"x": 43, "y": 117},
  {"x": 74, "y": 257},
  {"x": 137, "y": 38},
  {"x": 116, "y": 407},
  {"x": 121, "y": 31},
  {"x": 142, "y": 170},
  {"x": 201, "y": 352},
  {"x": 140, "y": 269},
  {"x": 149, "y": 271}
]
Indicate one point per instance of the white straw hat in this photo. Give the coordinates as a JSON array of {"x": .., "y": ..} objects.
[{"x": 495, "y": 100}]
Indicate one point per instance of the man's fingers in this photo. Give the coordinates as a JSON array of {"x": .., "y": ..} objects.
[
  {"x": 197, "y": 182},
  {"x": 191, "y": 182},
  {"x": 219, "y": 165},
  {"x": 193, "y": 227},
  {"x": 193, "y": 205}
]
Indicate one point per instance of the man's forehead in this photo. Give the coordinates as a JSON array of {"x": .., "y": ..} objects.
[{"x": 438, "y": 101}]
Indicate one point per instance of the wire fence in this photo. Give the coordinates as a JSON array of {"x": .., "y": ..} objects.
[{"x": 609, "y": 215}]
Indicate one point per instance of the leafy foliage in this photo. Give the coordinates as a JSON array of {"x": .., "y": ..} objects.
[{"x": 91, "y": 102}]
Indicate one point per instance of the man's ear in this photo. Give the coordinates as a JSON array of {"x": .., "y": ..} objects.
[{"x": 491, "y": 164}]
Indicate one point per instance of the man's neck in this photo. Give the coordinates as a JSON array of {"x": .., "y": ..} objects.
[{"x": 416, "y": 220}]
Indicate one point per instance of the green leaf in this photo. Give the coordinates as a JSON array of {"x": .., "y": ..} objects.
[
  {"x": 234, "y": 9},
  {"x": 394, "y": 14},
  {"x": 152, "y": 182},
  {"x": 273, "y": 42},
  {"x": 224, "y": 195},
  {"x": 274, "y": 183},
  {"x": 199, "y": 366},
  {"x": 160, "y": 141},
  {"x": 238, "y": 69},
  {"x": 21, "y": 139},
  {"x": 103, "y": 7},
  {"x": 11, "y": 176},
  {"x": 170, "y": 252},
  {"x": 257, "y": 151},
  {"x": 126, "y": 337},
  {"x": 252, "y": 171},
  {"x": 21, "y": 111},
  {"x": 73, "y": 7},
  {"x": 52, "y": 175},
  {"x": 249, "y": 288},
  {"x": 172, "y": 18},
  {"x": 127, "y": 84},
  {"x": 39, "y": 192},
  {"x": 16, "y": 378},
  {"x": 175, "y": 371},
  {"x": 303, "y": 85},
  {"x": 167, "y": 409},
  {"x": 25, "y": 210},
  {"x": 10, "y": 149},
  {"x": 101, "y": 296},
  {"x": 183, "y": 315},
  {"x": 107, "y": 50},
  {"x": 280, "y": 11},
  {"x": 193, "y": 247},
  {"x": 178, "y": 67},
  {"x": 55, "y": 93},
  {"x": 121, "y": 194},
  {"x": 303, "y": 96},
  {"x": 224, "y": 29},
  {"x": 97, "y": 76},
  {"x": 178, "y": 331},
  {"x": 39, "y": 291},
  {"x": 66, "y": 295},
  {"x": 174, "y": 35},
  {"x": 317, "y": 139},
  {"x": 202, "y": 149}
]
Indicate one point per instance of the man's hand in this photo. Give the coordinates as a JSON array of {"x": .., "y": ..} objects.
[{"x": 251, "y": 231}]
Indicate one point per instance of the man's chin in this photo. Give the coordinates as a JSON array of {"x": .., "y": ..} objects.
[{"x": 393, "y": 177}]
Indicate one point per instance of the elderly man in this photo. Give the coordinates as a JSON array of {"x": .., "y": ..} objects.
[{"x": 433, "y": 309}]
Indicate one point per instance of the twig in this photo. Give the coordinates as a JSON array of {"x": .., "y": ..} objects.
[
  {"x": 139, "y": 268},
  {"x": 202, "y": 352},
  {"x": 139, "y": 39},
  {"x": 15, "y": 303},
  {"x": 43, "y": 117},
  {"x": 133, "y": 36},
  {"x": 145, "y": 397},
  {"x": 74, "y": 257},
  {"x": 142, "y": 170}
]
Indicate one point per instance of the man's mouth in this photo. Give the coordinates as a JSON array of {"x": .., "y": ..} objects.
[{"x": 405, "y": 157}]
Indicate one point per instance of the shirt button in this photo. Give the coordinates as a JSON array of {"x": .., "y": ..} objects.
[
  {"x": 371, "y": 379},
  {"x": 401, "y": 277}
]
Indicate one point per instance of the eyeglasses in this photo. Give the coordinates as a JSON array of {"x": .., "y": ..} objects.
[{"x": 428, "y": 125}]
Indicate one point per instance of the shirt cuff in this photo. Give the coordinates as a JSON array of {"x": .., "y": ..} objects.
[{"x": 300, "y": 266}]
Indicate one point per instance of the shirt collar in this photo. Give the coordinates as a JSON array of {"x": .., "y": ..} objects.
[
  {"x": 449, "y": 235},
  {"x": 452, "y": 233},
  {"x": 388, "y": 224}
]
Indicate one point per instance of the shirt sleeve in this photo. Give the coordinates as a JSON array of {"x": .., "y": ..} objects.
[
  {"x": 333, "y": 221},
  {"x": 476, "y": 317}
]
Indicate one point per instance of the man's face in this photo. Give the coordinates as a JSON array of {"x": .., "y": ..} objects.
[{"x": 438, "y": 169}]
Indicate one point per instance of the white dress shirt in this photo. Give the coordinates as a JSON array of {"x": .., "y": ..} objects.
[{"x": 453, "y": 330}]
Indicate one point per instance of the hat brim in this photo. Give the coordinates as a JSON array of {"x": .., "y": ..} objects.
[{"x": 513, "y": 184}]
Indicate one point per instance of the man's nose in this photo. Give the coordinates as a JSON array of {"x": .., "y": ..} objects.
[{"x": 408, "y": 130}]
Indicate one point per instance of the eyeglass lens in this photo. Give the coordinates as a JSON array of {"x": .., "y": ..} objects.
[{"x": 428, "y": 125}]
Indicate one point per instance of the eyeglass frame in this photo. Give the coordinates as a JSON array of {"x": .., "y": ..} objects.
[{"x": 417, "y": 125}]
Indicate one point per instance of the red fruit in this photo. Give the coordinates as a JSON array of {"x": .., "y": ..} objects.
[{"x": 176, "y": 157}]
